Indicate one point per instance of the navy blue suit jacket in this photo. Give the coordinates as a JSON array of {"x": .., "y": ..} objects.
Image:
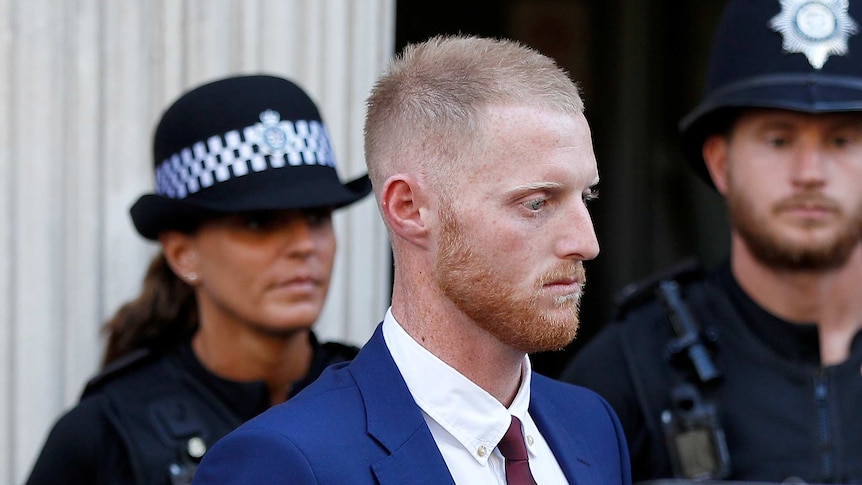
[{"x": 358, "y": 424}]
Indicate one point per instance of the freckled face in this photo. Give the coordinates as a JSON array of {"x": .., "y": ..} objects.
[
  {"x": 266, "y": 271},
  {"x": 514, "y": 236}
]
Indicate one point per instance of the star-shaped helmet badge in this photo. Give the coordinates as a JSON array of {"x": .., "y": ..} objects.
[{"x": 816, "y": 28}]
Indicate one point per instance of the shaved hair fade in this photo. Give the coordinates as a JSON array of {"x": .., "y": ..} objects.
[{"x": 426, "y": 113}]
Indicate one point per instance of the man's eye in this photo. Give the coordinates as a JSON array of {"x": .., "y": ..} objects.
[
  {"x": 840, "y": 141},
  {"x": 778, "y": 142},
  {"x": 590, "y": 194},
  {"x": 535, "y": 204}
]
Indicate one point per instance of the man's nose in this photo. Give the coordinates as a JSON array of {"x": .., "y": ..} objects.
[{"x": 578, "y": 239}]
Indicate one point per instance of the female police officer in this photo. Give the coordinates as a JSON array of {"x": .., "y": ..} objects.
[{"x": 245, "y": 187}]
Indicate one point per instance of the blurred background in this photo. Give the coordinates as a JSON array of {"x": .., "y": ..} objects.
[{"x": 84, "y": 81}]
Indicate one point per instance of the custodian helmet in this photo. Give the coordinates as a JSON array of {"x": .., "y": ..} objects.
[{"x": 800, "y": 55}]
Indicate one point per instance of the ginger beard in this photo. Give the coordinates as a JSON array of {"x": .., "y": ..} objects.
[
  {"x": 778, "y": 252},
  {"x": 472, "y": 282}
]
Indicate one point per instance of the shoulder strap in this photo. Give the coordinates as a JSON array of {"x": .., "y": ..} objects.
[
  {"x": 636, "y": 294},
  {"x": 687, "y": 346},
  {"x": 686, "y": 419}
]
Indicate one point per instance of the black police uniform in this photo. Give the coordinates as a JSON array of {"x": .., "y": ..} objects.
[
  {"x": 776, "y": 413},
  {"x": 149, "y": 418},
  {"x": 783, "y": 415}
]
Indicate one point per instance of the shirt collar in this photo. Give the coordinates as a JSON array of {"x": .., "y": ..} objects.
[{"x": 463, "y": 409}]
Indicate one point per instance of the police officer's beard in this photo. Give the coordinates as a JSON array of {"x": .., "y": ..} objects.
[
  {"x": 468, "y": 278},
  {"x": 776, "y": 251}
]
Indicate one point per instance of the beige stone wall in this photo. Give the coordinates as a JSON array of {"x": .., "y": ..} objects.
[{"x": 82, "y": 83}]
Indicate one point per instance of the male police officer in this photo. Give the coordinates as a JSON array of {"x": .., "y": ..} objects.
[{"x": 752, "y": 371}]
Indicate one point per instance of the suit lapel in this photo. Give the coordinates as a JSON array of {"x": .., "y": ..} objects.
[
  {"x": 570, "y": 450},
  {"x": 395, "y": 421}
]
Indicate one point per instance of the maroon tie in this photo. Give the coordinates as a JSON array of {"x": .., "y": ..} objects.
[{"x": 515, "y": 452}]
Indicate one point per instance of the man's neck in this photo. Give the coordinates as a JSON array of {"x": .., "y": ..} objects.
[
  {"x": 459, "y": 342},
  {"x": 828, "y": 298}
]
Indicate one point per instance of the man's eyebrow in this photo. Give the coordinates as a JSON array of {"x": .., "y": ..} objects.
[
  {"x": 853, "y": 123},
  {"x": 536, "y": 186}
]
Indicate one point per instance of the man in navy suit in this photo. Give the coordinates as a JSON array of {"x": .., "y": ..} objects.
[{"x": 482, "y": 167}]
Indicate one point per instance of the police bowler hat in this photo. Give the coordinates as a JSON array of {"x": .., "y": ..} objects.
[
  {"x": 799, "y": 55},
  {"x": 240, "y": 144}
]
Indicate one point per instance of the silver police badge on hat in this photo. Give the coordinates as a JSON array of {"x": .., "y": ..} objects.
[
  {"x": 816, "y": 28},
  {"x": 273, "y": 138}
]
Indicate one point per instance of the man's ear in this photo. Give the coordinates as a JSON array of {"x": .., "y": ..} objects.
[
  {"x": 715, "y": 150},
  {"x": 404, "y": 206},
  {"x": 181, "y": 253}
]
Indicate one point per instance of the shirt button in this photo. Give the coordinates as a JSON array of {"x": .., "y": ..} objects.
[
  {"x": 482, "y": 451},
  {"x": 530, "y": 439}
]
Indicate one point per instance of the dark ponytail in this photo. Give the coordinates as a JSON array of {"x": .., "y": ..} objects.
[{"x": 164, "y": 314}]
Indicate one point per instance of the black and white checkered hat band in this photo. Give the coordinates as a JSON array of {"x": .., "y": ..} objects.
[{"x": 270, "y": 145}]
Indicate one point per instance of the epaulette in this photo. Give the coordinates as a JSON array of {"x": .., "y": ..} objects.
[
  {"x": 125, "y": 363},
  {"x": 635, "y": 294}
]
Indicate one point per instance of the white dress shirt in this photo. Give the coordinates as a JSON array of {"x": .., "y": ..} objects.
[{"x": 465, "y": 421}]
